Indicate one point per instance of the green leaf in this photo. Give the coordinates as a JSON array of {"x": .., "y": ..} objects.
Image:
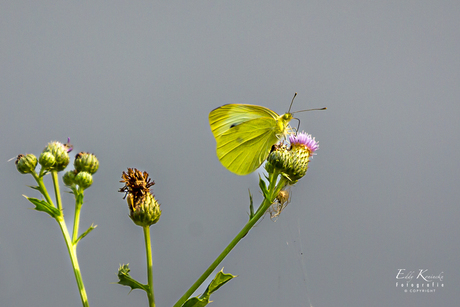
[
  {"x": 218, "y": 281},
  {"x": 251, "y": 206},
  {"x": 195, "y": 302},
  {"x": 263, "y": 187},
  {"x": 127, "y": 280},
  {"x": 86, "y": 232},
  {"x": 44, "y": 206}
]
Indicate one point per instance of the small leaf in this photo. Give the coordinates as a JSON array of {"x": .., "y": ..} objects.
[
  {"x": 195, "y": 302},
  {"x": 218, "y": 281},
  {"x": 127, "y": 280},
  {"x": 251, "y": 206},
  {"x": 44, "y": 206},
  {"x": 286, "y": 176},
  {"x": 263, "y": 186},
  {"x": 86, "y": 232}
]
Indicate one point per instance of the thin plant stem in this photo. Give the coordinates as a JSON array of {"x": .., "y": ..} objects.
[
  {"x": 76, "y": 221},
  {"x": 148, "y": 251},
  {"x": 54, "y": 175},
  {"x": 273, "y": 190},
  {"x": 71, "y": 246},
  {"x": 42, "y": 188},
  {"x": 72, "y": 249}
]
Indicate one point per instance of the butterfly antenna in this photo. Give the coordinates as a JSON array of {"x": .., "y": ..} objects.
[
  {"x": 320, "y": 109},
  {"x": 295, "y": 94}
]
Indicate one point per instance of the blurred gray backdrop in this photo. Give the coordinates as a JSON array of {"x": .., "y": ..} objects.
[{"x": 134, "y": 82}]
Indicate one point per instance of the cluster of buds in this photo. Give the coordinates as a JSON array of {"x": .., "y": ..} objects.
[
  {"x": 144, "y": 210},
  {"x": 86, "y": 164},
  {"x": 55, "y": 156},
  {"x": 292, "y": 161}
]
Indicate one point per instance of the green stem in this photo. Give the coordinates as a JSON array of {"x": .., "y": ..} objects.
[
  {"x": 72, "y": 249},
  {"x": 76, "y": 221},
  {"x": 273, "y": 191},
  {"x": 148, "y": 251},
  {"x": 54, "y": 175},
  {"x": 42, "y": 188}
]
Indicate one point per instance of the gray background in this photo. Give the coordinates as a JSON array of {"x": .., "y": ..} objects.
[{"x": 134, "y": 82}]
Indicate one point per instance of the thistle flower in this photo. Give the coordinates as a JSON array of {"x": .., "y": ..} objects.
[
  {"x": 305, "y": 140},
  {"x": 46, "y": 160},
  {"x": 292, "y": 162},
  {"x": 69, "y": 178},
  {"x": 61, "y": 154},
  {"x": 84, "y": 180},
  {"x": 26, "y": 163},
  {"x": 144, "y": 208},
  {"x": 86, "y": 162}
]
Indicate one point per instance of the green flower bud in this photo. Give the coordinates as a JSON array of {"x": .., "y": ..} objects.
[
  {"x": 26, "y": 163},
  {"x": 84, "y": 180},
  {"x": 279, "y": 157},
  {"x": 69, "y": 178},
  {"x": 86, "y": 162},
  {"x": 298, "y": 164},
  {"x": 144, "y": 211},
  {"x": 46, "y": 160},
  {"x": 60, "y": 153}
]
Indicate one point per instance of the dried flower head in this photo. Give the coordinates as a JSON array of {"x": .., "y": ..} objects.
[
  {"x": 136, "y": 182},
  {"x": 144, "y": 208}
]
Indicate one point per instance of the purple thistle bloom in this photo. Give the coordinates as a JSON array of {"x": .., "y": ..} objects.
[
  {"x": 305, "y": 139},
  {"x": 68, "y": 145}
]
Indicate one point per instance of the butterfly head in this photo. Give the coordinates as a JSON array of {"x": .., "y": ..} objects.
[{"x": 282, "y": 126}]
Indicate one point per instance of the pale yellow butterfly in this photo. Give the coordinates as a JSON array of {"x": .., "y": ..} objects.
[{"x": 245, "y": 134}]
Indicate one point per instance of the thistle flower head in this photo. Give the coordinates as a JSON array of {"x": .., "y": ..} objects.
[
  {"x": 26, "y": 163},
  {"x": 304, "y": 139},
  {"x": 84, "y": 180},
  {"x": 60, "y": 152},
  {"x": 46, "y": 160},
  {"x": 292, "y": 162},
  {"x": 144, "y": 208},
  {"x": 86, "y": 162},
  {"x": 69, "y": 178}
]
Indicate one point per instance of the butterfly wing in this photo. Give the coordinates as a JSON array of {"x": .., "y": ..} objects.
[
  {"x": 223, "y": 118},
  {"x": 244, "y": 147}
]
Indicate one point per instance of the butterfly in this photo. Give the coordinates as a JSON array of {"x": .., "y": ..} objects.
[{"x": 245, "y": 134}]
